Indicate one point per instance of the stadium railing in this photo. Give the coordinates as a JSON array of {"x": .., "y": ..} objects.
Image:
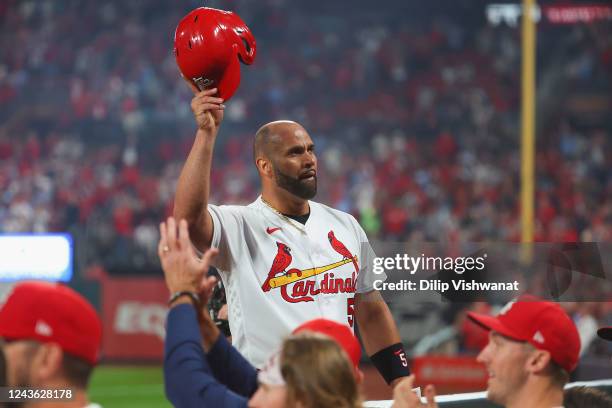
[{"x": 479, "y": 399}]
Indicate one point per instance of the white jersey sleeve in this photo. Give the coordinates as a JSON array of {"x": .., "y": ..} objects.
[{"x": 228, "y": 222}]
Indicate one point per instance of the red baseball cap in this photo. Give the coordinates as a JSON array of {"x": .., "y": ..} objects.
[
  {"x": 52, "y": 313},
  {"x": 340, "y": 332},
  {"x": 605, "y": 333},
  {"x": 545, "y": 325},
  {"x": 209, "y": 45}
]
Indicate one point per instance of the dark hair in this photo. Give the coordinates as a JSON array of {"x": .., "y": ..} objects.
[
  {"x": 77, "y": 370},
  {"x": 558, "y": 374},
  {"x": 586, "y": 397}
]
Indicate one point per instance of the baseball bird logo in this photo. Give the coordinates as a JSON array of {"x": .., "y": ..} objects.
[{"x": 295, "y": 285}]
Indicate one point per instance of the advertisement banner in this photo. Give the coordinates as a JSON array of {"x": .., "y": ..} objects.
[{"x": 134, "y": 313}]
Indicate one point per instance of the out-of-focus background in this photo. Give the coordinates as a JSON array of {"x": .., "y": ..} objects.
[{"x": 414, "y": 108}]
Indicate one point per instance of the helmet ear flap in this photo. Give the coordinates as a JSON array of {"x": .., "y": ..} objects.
[
  {"x": 244, "y": 40},
  {"x": 247, "y": 48}
]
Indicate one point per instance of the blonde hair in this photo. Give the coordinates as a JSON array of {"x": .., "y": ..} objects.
[{"x": 318, "y": 373}]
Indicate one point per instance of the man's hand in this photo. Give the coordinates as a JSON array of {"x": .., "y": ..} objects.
[
  {"x": 209, "y": 330},
  {"x": 207, "y": 109},
  {"x": 404, "y": 397},
  {"x": 182, "y": 269},
  {"x": 185, "y": 272},
  {"x": 206, "y": 289}
]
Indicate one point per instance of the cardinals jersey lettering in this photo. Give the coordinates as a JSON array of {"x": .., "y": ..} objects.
[{"x": 279, "y": 273}]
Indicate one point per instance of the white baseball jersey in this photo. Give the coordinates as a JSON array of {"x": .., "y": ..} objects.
[{"x": 279, "y": 273}]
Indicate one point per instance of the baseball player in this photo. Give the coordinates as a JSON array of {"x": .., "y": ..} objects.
[
  {"x": 202, "y": 369},
  {"x": 284, "y": 259}
]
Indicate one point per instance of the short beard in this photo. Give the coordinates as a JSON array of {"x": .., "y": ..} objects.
[{"x": 295, "y": 186}]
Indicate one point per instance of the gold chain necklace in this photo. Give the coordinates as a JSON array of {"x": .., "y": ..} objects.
[{"x": 292, "y": 222}]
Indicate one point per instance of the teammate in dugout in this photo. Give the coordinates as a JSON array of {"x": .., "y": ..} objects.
[
  {"x": 533, "y": 347},
  {"x": 50, "y": 337},
  {"x": 284, "y": 259}
]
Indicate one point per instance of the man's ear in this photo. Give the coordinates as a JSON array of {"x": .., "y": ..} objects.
[
  {"x": 538, "y": 361},
  {"x": 47, "y": 362},
  {"x": 264, "y": 165}
]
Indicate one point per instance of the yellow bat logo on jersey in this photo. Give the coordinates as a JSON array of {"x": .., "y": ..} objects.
[
  {"x": 280, "y": 276},
  {"x": 296, "y": 275}
]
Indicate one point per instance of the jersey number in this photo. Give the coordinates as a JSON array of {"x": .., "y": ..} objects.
[
  {"x": 350, "y": 311},
  {"x": 402, "y": 356}
]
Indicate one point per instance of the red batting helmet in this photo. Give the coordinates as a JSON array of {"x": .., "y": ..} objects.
[{"x": 208, "y": 44}]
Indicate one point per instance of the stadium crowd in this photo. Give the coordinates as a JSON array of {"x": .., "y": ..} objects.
[{"x": 415, "y": 122}]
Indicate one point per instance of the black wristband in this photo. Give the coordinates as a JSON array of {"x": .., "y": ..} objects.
[
  {"x": 391, "y": 362},
  {"x": 194, "y": 297}
]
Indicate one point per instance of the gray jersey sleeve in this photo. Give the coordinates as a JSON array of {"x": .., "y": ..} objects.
[{"x": 366, "y": 277}]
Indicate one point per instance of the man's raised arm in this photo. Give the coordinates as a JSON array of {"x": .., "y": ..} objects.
[{"x": 193, "y": 188}]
